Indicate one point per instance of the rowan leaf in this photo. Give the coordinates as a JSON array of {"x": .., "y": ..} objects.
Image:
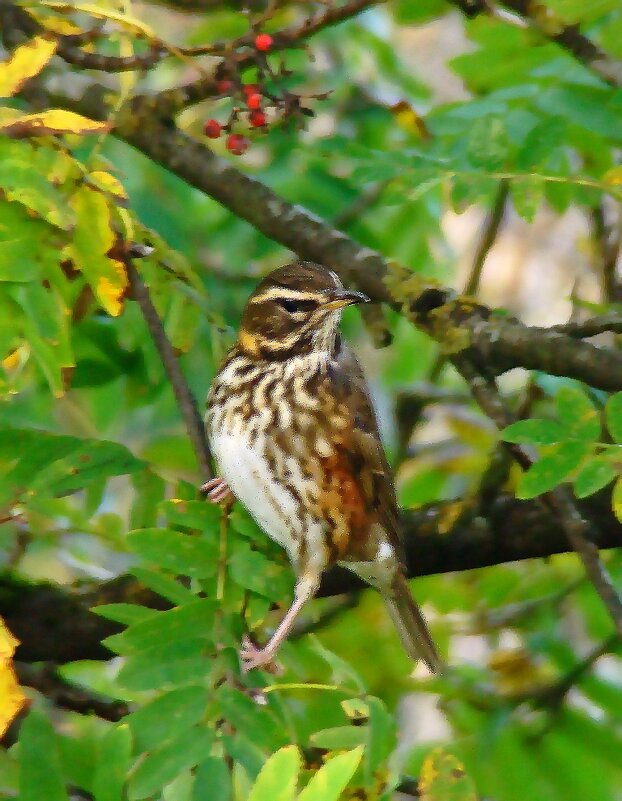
[
  {"x": 443, "y": 778},
  {"x": 332, "y": 778},
  {"x": 12, "y": 699},
  {"x": 52, "y": 121},
  {"x": 616, "y": 499},
  {"x": 595, "y": 474},
  {"x": 26, "y": 61},
  {"x": 552, "y": 468},
  {"x": 124, "y": 20},
  {"x": 278, "y": 778},
  {"x": 534, "y": 432},
  {"x": 614, "y": 416},
  {"x": 93, "y": 239},
  {"x": 577, "y": 414}
]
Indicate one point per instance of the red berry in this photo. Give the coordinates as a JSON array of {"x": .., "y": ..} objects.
[
  {"x": 257, "y": 119},
  {"x": 224, "y": 86},
  {"x": 212, "y": 128},
  {"x": 250, "y": 89},
  {"x": 263, "y": 42},
  {"x": 254, "y": 101},
  {"x": 237, "y": 144}
]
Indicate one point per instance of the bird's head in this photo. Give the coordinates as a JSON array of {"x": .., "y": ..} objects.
[{"x": 294, "y": 311}]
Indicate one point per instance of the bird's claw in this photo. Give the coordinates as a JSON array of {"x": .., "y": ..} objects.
[
  {"x": 252, "y": 656},
  {"x": 217, "y": 490}
]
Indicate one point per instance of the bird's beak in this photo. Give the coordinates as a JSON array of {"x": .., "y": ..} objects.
[{"x": 340, "y": 298}]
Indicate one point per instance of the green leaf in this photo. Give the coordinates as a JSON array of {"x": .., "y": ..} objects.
[
  {"x": 614, "y": 416},
  {"x": 113, "y": 762},
  {"x": 339, "y": 737},
  {"x": 382, "y": 737},
  {"x": 165, "y": 585},
  {"x": 193, "y": 621},
  {"x": 40, "y": 774},
  {"x": 183, "y": 554},
  {"x": 332, "y": 778},
  {"x": 124, "y": 613},
  {"x": 527, "y": 194},
  {"x": 552, "y": 468},
  {"x": 443, "y": 779},
  {"x": 31, "y": 176},
  {"x": 616, "y": 499},
  {"x": 545, "y": 138},
  {"x": 578, "y": 414},
  {"x": 534, "y": 432},
  {"x": 199, "y": 515},
  {"x": 254, "y": 571},
  {"x": 488, "y": 144},
  {"x": 278, "y": 778},
  {"x": 212, "y": 781},
  {"x": 595, "y": 474},
  {"x": 259, "y": 724},
  {"x": 177, "y": 664},
  {"x": 167, "y": 716},
  {"x": 38, "y": 461},
  {"x": 164, "y": 764}
]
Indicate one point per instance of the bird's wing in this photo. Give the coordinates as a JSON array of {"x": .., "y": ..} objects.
[{"x": 362, "y": 446}]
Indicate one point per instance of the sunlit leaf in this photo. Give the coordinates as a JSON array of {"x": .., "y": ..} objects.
[
  {"x": 552, "y": 468},
  {"x": 443, "y": 779},
  {"x": 12, "y": 699},
  {"x": 25, "y": 62},
  {"x": 278, "y": 778},
  {"x": 52, "y": 121},
  {"x": 93, "y": 238},
  {"x": 331, "y": 779}
]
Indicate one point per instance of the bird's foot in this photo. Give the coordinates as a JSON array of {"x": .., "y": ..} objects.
[
  {"x": 252, "y": 656},
  {"x": 217, "y": 490}
]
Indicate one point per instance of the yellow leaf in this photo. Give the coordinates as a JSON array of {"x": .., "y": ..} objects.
[
  {"x": 613, "y": 177},
  {"x": 92, "y": 240},
  {"x": 12, "y": 699},
  {"x": 108, "y": 183},
  {"x": 111, "y": 294},
  {"x": 125, "y": 21},
  {"x": 52, "y": 121},
  {"x": 616, "y": 499},
  {"x": 409, "y": 121},
  {"x": 442, "y": 778},
  {"x": 26, "y": 62},
  {"x": 63, "y": 27},
  {"x": 515, "y": 671}
]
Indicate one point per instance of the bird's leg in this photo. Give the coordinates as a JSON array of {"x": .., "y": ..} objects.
[
  {"x": 251, "y": 655},
  {"x": 217, "y": 490}
]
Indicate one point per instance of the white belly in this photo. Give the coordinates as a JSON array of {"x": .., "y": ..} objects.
[{"x": 249, "y": 477}]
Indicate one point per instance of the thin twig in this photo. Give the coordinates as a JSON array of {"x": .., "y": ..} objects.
[
  {"x": 600, "y": 324},
  {"x": 185, "y": 400},
  {"x": 555, "y": 694},
  {"x": 576, "y": 529},
  {"x": 410, "y": 410}
]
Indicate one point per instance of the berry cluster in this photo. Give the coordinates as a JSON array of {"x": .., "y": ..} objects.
[{"x": 252, "y": 99}]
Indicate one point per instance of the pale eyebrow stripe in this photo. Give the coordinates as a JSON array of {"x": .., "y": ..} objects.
[{"x": 283, "y": 293}]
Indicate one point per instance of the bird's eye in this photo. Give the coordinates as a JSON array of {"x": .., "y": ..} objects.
[{"x": 293, "y": 306}]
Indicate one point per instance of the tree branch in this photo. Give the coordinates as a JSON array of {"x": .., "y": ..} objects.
[
  {"x": 185, "y": 400},
  {"x": 55, "y": 624},
  {"x": 559, "y": 500}
]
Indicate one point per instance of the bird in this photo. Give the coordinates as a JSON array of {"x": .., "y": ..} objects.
[{"x": 292, "y": 428}]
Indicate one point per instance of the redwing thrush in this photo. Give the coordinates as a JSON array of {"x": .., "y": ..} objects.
[{"x": 292, "y": 427}]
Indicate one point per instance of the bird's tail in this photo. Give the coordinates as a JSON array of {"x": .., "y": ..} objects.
[{"x": 410, "y": 624}]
